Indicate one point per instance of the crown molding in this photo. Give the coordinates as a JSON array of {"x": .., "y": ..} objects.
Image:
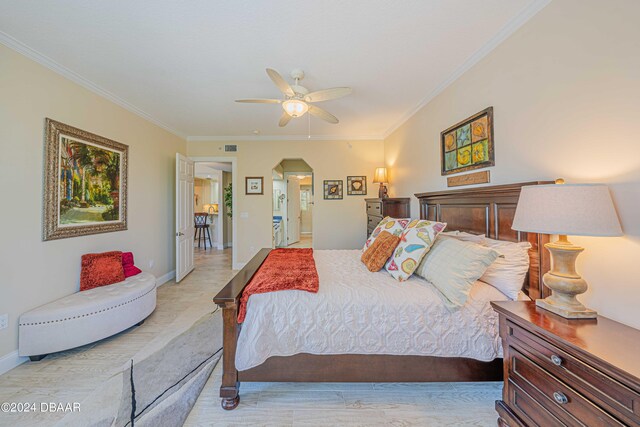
[
  {"x": 285, "y": 138},
  {"x": 510, "y": 27},
  {"x": 49, "y": 63},
  {"x": 506, "y": 31}
]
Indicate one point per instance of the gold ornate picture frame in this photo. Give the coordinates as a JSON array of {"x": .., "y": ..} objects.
[{"x": 85, "y": 183}]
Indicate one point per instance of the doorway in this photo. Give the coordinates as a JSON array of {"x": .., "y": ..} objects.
[
  {"x": 211, "y": 181},
  {"x": 292, "y": 204},
  {"x": 205, "y": 200}
]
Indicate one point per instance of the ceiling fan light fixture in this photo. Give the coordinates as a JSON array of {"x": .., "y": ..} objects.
[{"x": 295, "y": 107}]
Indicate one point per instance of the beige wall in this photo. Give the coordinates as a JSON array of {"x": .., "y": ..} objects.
[
  {"x": 565, "y": 90},
  {"x": 337, "y": 224},
  {"x": 36, "y": 272}
]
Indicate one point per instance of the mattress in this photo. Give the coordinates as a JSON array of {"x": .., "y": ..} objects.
[{"x": 359, "y": 312}]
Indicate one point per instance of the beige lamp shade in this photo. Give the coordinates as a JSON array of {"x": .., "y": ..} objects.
[
  {"x": 380, "y": 177},
  {"x": 567, "y": 209}
]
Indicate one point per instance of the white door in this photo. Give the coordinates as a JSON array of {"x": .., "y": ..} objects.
[
  {"x": 293, "y": 210},
  {"x": 184, "y": 216}
]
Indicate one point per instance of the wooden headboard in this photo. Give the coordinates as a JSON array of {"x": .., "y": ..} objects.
[{"x": 490, "y": 211}]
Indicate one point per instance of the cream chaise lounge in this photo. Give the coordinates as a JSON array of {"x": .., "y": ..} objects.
[{"x": 85, "y": 317}]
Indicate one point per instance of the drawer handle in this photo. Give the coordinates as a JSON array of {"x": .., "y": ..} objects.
[
  {"x": 560, "y": 398},
  {"x": 378, "y": 207},
  {"x": 556, "y": 360}
]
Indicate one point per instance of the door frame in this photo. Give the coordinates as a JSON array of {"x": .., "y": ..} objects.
[
  {"x": 234, "y": 205},
  {"x": 312, "y": 175}
]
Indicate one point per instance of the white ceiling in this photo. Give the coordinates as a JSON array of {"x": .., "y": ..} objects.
[{"x": 183, "y": 63}]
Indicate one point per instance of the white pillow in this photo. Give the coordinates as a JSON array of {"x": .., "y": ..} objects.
[
  {"x": 465, "y": 237},
  {"x": 507, "y": 273},
  {"x": 394, "y": 226},
  {"x": 453, "y": 266}
]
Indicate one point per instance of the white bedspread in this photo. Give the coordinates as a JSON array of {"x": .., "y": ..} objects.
[{"x": 359, "y": 312}]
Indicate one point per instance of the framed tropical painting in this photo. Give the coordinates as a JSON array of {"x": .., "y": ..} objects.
[
  {"x": 85, "y": 183},
  {"x": 468, "y": 145}
]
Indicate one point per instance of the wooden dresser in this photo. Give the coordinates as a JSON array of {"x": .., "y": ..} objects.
[
  {"x": 567, "y": 372},
  {"x": 379, "y": 208}
]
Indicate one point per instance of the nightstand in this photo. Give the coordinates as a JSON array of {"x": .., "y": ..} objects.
[
  {"x": 395, "y": 207},
  {"x": 567, "y": 372}
]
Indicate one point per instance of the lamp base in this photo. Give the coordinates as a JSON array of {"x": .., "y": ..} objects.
[
  {"x": 382, "y": 192},
  {"x": 566, "y": 312},
  {"x": 565, "y": 283}
]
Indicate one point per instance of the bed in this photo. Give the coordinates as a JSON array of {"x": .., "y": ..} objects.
[{"x": 297, "y": 336}]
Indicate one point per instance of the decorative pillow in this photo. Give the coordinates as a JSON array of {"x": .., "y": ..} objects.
[
  {"x": 466, "y": 237},
  {"x": 379, "y": 252},
  {"x": 392, "y": 225},
  {"x": 415, "y": 242},
  {"x": 127, "y": 265},
  {"x": 101, "y": 270},
  {"x": 508, "y": 272},
  {"x": 453, "y": 266}
]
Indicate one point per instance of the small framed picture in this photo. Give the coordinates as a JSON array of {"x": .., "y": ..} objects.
[
  {"x": 254, "y": 185},
  {"x": 356, "y": 186},
  {"x": 333, "y": 189}
]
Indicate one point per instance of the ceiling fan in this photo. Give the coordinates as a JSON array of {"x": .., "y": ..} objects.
[{"x": 298, "y": 100}]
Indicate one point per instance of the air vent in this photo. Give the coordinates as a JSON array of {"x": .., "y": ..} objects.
[{"x": 231, "y": 148}]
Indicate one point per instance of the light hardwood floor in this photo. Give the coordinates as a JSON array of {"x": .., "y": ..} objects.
[
  {"x": 306, "y": 241},
  {"x": 69, "y": 376}
]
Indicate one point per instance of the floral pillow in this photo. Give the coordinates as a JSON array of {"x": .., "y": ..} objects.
[
  {"x": 393, "y": 226},
  {"x": 415, "y": 242}
]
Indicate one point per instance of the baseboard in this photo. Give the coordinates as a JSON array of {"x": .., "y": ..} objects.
[
  {"x": 228, "y": 244},
  {"x": 10, "y": 361},
  {"x": 164, "y": 279}
]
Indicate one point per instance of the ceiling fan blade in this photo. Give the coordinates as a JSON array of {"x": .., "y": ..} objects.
[
  {"x": 327, "y": 94},
  {"x": 280, "y": 82},
  {"x": 260, "y": 101},
  {"x": 324, "y": 115},
  {"x": 284, "y": 119}
]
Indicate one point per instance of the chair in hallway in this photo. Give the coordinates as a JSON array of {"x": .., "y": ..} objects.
[{"x": 202, "y": 229}]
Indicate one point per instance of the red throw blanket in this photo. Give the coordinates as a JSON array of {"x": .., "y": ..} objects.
[{"x": 282, "y": 270}]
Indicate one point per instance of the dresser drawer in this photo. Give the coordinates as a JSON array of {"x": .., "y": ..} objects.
[
  {"x": 597, "y": 386},
  {"x": 562, "y": 401},
  {"x": 374, "y": 208},
  {"x": 373, "y": 221},
  {"x": 528, "y": 410}
]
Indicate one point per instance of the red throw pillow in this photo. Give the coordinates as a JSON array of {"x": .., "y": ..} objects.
[
  {"x": 127, "y": 265},
  {"x": 101, "y": 270}
]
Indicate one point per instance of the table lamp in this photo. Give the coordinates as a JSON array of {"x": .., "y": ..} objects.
[
  {"x": 381, "y": 177},
  {"x": 566, "y": 209}
]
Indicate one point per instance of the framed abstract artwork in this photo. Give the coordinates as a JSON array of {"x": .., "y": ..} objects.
[
  {"x": 356, "y": 186},
  {"x": 332, "y": 189},
  {"x": 468, "y": 145},
  {"x": 85, "y": 178},
  {"x": 254, "y": 185}
]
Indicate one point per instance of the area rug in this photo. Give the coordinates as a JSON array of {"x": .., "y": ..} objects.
[{"x": 160, "y": 384}]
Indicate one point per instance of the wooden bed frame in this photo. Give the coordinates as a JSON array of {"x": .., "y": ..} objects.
[{"x": 480, "y": 210}]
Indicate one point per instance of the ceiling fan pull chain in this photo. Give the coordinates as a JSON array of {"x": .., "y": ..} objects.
[{"x": 309, "y": 126}]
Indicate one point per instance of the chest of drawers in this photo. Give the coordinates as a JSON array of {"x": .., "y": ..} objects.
[
  {"x": 567, "y": 372},
  {"x": 396, "y": 207}
]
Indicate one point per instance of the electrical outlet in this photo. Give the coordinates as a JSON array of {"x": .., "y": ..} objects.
[
  {"x": 152, "y": 263},
  {"x": 4, "y": 321}
]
